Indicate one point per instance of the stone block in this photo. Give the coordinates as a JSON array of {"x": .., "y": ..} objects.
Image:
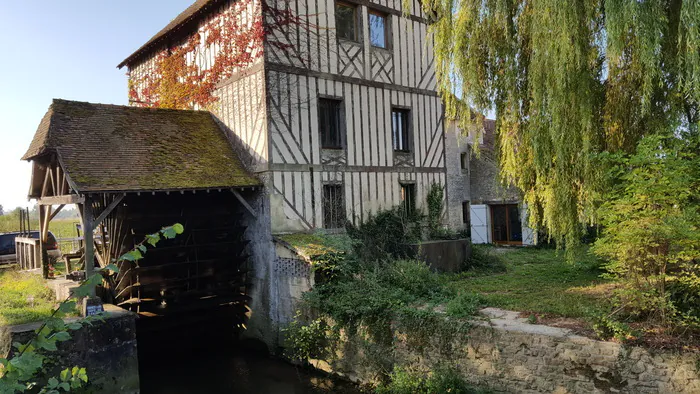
[{"x": 107, "y": 349}]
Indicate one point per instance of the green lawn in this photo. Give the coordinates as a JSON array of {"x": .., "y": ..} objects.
[
  {"x": 61, "y": 228},
  {"x": 24, "y": 298},
  {"x": 538, "y": 281}
]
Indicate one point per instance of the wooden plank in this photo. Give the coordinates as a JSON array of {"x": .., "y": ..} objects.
[
  {"x": 244, "y": 203},
  {"x": 88, "y": 228},
  {"x": 350, "y": 122},
  {"x": 45, "y": 185},
  {"x": 109, "y": 209},
  {"x": 313, "y": 110},
  {"x": 61, "y": 200},
  {"x": 54, "y": 191}
]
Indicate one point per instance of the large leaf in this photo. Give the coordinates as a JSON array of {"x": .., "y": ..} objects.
[{"x": 61, "y": 336}]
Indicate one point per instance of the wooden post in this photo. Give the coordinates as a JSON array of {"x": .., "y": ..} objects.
[
  {"x": 88, "y": 232},
  {"x": 42, "y": 254}
]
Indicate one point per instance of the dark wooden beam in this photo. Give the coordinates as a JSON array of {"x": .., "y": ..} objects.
[
  {"x": 343, "y": 78},
  {"x": 108, "y": 209},
  {"x": 244, "y": 203},
  {"x": 61, "y": 200},
  {"x": 88, "y": 233}
]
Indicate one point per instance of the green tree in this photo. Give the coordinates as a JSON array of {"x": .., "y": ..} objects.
[
  {"x": 651, "y": 231},
  {"x": 567, "y": 80}
]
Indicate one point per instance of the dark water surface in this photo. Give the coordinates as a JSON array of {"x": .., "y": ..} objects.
[{"x": 194, "y": 362}]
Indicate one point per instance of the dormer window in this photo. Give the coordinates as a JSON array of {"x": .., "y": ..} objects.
[{"x": 346, "y": 21}]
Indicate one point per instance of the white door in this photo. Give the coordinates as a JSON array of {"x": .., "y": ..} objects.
[
  {"x": 528, "y": 233},
  {"x": 480, "y": 224}
]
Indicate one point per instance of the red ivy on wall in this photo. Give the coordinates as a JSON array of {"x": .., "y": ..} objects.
[{"x": 176, "y": 80}]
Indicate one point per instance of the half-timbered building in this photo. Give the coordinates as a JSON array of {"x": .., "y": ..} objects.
[{"x": 334, "y": 104}]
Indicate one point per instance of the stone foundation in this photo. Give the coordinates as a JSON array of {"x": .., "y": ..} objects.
[
  {"x": 507, "y": 354},
  {"x": 106, "y": 349}
]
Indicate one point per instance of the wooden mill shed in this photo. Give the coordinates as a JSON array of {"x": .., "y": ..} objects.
[{"x": 134, "y": 170}]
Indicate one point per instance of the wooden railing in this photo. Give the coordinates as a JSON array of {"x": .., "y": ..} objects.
[
  {"x": 28, "y": 253},
  {"x": 70, "y": 245}
]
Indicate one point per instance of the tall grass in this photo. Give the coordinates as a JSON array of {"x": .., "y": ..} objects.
[{"x": 61, "y": 228}]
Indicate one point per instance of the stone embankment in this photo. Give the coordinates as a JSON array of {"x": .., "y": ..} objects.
[{"x": 507, "y": 354}]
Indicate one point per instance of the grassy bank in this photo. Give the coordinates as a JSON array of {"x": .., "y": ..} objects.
[
  {"x": 536, "y": 280},
  {"x": 24, "y": 298}
]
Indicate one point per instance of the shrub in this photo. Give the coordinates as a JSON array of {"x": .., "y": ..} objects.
[
  {"x": 464, "y": 305},
  {"x": 607, "y": 328},
  {"x": 435, "y": 203},
  {"x": 441, "y": 380},
  {"x": 651, "y": 223},
  {"x": 306, "y": 339},
  {"x": 371, "y": 294},
  {"x": 386, "y": 235}
]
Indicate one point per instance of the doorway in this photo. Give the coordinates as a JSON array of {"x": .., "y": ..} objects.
[{"x": 506, "y": 228}]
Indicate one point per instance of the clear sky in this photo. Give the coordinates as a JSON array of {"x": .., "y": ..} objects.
[{"x": 64, "y": 49}]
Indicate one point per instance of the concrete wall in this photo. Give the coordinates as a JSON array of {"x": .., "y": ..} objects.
[
  {"x": 278, "y": 277},
  {"x": 106, "y": 349},
  {"x": 507, "y": 354},
  {"x": 444, "y": 255},
  {"x": 262, "y": 317}
]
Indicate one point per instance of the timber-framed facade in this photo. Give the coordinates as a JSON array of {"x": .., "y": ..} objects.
[{"x": 338, "y": 114}]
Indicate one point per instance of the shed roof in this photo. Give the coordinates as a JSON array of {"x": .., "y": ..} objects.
[
  {"x": 119, "y": 148},
  {"x": 185, "y": 21}
]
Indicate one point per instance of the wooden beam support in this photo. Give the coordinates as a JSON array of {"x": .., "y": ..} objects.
[
  {"x": 244, "y": 203},
  {"x": 45, "y": 219},
  {"x": 54, "y": 191},
  {"x": 109, "y": 209},
  {"x": 61, "y": 200},
  {"x": 88, "y": 234},
  {"x": 59, "y": 185},
  {"x": 53, "y": 215},
  {"x": 45, "y": 185},
  {"x": 42, "y": 254}
]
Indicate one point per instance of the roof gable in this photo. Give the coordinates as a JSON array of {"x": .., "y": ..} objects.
[
  {"x": 185, "y": 21},
  {"x": 119, "y": 148}
]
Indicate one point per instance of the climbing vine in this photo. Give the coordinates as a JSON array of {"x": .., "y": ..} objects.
[{"x": 185, "y": 76}]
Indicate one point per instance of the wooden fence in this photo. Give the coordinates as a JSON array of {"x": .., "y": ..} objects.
[{"x": 28, "y": 252}]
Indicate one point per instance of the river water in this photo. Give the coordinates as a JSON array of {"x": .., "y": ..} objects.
[{"x": 185, "y": 362}]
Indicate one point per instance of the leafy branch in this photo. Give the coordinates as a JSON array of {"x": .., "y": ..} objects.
[{"x": 26, "y": 370}]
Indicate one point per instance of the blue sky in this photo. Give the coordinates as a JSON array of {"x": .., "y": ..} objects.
[{"x": 64, "y": 49}]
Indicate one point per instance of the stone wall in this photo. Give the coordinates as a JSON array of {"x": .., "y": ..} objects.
[
  {"x": 456, "y": 143},
  {"x": 106, "y": 349},
  {"x": 294, "y": 277},
  {"x": 506, "y": 354},
  {"x": 485, "y": 183}
]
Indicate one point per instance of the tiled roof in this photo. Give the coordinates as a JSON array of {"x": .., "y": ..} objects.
[
  {"x": 188, "y": 19},
  {"x": 118, "y": 148}
]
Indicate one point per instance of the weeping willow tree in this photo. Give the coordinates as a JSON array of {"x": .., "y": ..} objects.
[{"x": 568, "y": 80}]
